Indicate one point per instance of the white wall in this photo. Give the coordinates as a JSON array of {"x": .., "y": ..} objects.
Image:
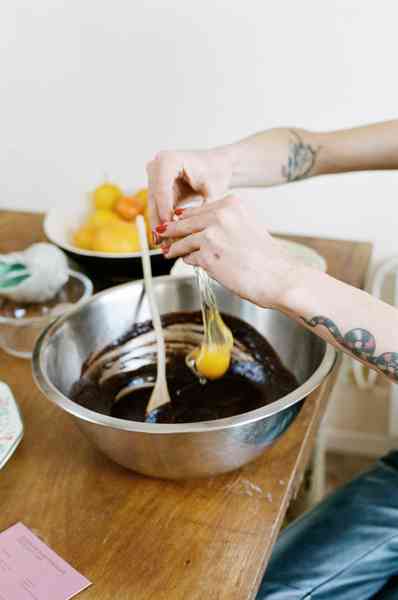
[{"x": 98, "y": 86}]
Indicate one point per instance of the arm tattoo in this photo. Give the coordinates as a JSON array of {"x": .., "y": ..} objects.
[
  {"x": 362, "y": 344},
  {"x": 301, "y": 158}
]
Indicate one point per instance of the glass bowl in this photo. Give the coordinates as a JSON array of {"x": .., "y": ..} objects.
[{"x": 21, "y": 324}]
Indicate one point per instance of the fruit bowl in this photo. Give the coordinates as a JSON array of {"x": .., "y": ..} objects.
[{"x": 60, "y": 224}]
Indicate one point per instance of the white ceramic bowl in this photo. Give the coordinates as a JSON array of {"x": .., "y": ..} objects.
[{"x": 59, "y": 226}]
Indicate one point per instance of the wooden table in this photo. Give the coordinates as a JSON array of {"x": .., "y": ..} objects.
[{"x": 138, "y": 538}]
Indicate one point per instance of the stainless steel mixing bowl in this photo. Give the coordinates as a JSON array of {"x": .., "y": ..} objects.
[{"x": 179, "y": 450}]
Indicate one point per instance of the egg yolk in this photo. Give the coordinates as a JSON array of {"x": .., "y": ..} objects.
[{"x": 213, "y": 361}]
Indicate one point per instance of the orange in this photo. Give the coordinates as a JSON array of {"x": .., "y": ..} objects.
[{"x": 128, "y": 207}]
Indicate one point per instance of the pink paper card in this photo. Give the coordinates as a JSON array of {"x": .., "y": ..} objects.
[{"x": 30, "y": 570}]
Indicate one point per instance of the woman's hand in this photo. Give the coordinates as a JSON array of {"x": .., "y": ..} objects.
[
  {"x": 270, "y": 158},
  {"x": 229, "y": 241},
  {"x": 175, "y": 177}
]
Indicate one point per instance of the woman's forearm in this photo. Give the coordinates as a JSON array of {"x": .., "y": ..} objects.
[
  {"x": 229, "y": 241},
  {"x": 288, "y": 154},
  {"x": 270, "y": 158},
  {"x": 349, "y": 318},
  {"x": 273, "y": 157}
]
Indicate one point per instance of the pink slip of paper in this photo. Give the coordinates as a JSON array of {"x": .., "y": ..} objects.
[{"x": 30, "y": 570}]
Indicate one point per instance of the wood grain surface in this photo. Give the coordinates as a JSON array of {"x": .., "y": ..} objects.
[{"x": 138, "y": 538}]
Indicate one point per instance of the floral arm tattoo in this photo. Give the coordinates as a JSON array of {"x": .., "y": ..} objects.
[
  {"x": 301, "y": 158},
  {"x": 362, "y": 344}
]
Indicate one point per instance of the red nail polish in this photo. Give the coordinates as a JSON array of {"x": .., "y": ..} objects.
[
  {"x": 161, "y": 228},
  {"x": 179, "y": 211}
]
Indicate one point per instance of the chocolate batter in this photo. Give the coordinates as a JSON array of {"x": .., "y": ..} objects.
[{"x": 255, "y": 377}]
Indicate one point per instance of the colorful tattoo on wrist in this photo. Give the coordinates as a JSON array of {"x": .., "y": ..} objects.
[
  {"x": 362, "y": 344},
  {"x": 301, "y": 158}
]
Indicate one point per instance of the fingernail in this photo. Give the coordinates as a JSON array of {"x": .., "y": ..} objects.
[
  {"x": 155, "y": 236},
  {"x": 161, "y": 228},
  {"x": 165, "y": 248},
  {"x": 179, "y": 211}
]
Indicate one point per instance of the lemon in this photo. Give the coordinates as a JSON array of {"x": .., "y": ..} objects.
[
  {"x": 116, "y": 237},
  {"x": 102, "y": 216},
  {"x": 106, "y": 196},
  {"x": 142, "y": 196},
  {"x": 83, "y": 237}
]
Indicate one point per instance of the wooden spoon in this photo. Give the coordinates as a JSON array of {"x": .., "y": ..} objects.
[{"x": 160, "y": 394}]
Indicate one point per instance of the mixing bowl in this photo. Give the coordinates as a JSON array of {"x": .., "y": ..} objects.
[{"x": 175, "y": 451}]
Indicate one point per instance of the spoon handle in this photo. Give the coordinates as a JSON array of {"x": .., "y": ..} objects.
[{"x": 157, "y": 324}]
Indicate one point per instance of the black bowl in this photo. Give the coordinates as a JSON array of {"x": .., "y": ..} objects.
[
  {"x": 104, "y": 268},
  {"x": 118, "y": 270}
]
